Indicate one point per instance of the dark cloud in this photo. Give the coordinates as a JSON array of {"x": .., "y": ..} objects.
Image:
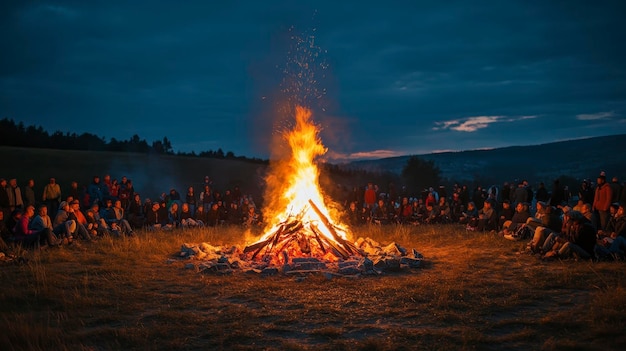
[{"x": 211, "y": 75}]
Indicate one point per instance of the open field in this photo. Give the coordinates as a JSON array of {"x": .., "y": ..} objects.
[{"x": 476, "y": 291}]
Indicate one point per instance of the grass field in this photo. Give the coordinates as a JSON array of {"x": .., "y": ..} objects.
[{"x": 475, "y": 291}]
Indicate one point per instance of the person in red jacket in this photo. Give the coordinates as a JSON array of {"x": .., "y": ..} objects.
[
  {"x": 371, "y": 196},
  {"x": 602, "y": 203}
]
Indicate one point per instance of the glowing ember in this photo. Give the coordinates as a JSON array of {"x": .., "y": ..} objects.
[{"x": 300, "y": 222}]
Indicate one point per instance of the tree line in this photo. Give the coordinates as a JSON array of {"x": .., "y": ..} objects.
[{"x": 19, "y": 135}]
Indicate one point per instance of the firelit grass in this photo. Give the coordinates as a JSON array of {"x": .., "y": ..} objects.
[{"x": 474, "y": 291}]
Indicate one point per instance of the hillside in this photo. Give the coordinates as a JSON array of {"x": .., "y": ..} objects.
[
  {"x": 151, "y": 174},
  {"x": 154, "y": 174},
  {"x": 582, "y": 158}
]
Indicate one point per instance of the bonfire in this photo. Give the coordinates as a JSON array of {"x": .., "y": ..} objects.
[
  {"x": 303, "y": 233},
  {"x": 300, "y": 223}
]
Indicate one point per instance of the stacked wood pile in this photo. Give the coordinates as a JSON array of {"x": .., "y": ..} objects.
[{"x": 371, "y": 258}]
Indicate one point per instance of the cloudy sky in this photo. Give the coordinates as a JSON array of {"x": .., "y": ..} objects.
[{"x": 384, "y": 78}]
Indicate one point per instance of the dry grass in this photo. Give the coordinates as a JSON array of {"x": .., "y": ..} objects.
[{"x": 475, "y": 292}]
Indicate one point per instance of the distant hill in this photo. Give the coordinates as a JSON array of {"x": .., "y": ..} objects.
[
  {"x": 153, "y": 174},
  {"x": 579, "y": 159}
]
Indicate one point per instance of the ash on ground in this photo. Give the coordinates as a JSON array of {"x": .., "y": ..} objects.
[{"x": 373, "y": 259}]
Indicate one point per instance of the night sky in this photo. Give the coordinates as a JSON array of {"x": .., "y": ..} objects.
[{"x": 384, "y": 78}]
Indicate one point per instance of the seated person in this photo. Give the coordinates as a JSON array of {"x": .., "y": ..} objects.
[
  {"x": 381, "y": 213},
  {"x": 541, "y": 233},
  {"x": 62, "y": 218},
  {"x": 186, "y": 218},
  {"x": 353, "y": 215},
  {"x": 418, "y": 212},
  {"x": 80, "y": 221},
  {"x": 117, "y": 216},
  {"x": 252, "y": 218},
  {"x": 431, "y": 214},
  {"x": 42, "y": 221},
  {"x": 173, "y": 216},
  {"x": 444, "y": 211},
  {"x": 470, "y": 216},
  {"x": 519, "y": 218},
  {"x": 200, "y": 215},
  {"x": 456, "y": 207},
  {"x": 549, "y": 218},
  {"x": 506, "y": 213},
  {"x": 155, "y": 218},
  {"x": 487, "y": 217},
  {"x": 30, "y": 237},
  {"x": 578, "y": 242},
  {"x": 612, "y": 240}
]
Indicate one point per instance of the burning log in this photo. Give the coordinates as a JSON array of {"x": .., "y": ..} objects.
[
  {"x": 326, "y": 221},
  {"x": 318, "y": 239},
  {"x": 344, "y": 253},
  {"x": 351, "y": 248},
  {"x": 261, "y": 244},
  {"x": 294, "y": 229}
]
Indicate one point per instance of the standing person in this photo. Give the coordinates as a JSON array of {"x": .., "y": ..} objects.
[
  {"x": 370, "y": 196},
  {"x": 15, "y": 195},
  {"x": 136, "y": 214},
  {"x": 130, "y": 188},
  {"x": 126, "y": 193},
  {"x": 114, "y": 189},
  {"x": 191, "y": 200},
  {"x": 29, "y": 193},
  {"x": 602, "y": 203},
  {"x": 95, "y": 191},
  {"x": 206, "y": 198},
  {"x": 52, "y": 197},
  {"x": 106, "y": 186}
]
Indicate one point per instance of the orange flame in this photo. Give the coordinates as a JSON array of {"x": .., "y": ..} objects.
[{"x": 296, "y": 194}]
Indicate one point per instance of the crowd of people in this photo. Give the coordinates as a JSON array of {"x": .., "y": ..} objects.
[
  {"x": 586, "y": 224},
  {"x": 589, "y": 223},
  {"x": 108, "y": 207}
]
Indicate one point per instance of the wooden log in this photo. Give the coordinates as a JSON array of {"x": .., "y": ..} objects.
[
  {"x": 261, "y": 244},
  {"x": 330, "y": 226},
  {"x": 317, "y": 238},
  {"x": 344, "y": 254},
  {"x": 269, "y": 240},
  {"x": 252, "y": 247}
]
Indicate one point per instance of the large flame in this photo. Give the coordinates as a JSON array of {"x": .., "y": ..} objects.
[{"x": 297, "y": 197}]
